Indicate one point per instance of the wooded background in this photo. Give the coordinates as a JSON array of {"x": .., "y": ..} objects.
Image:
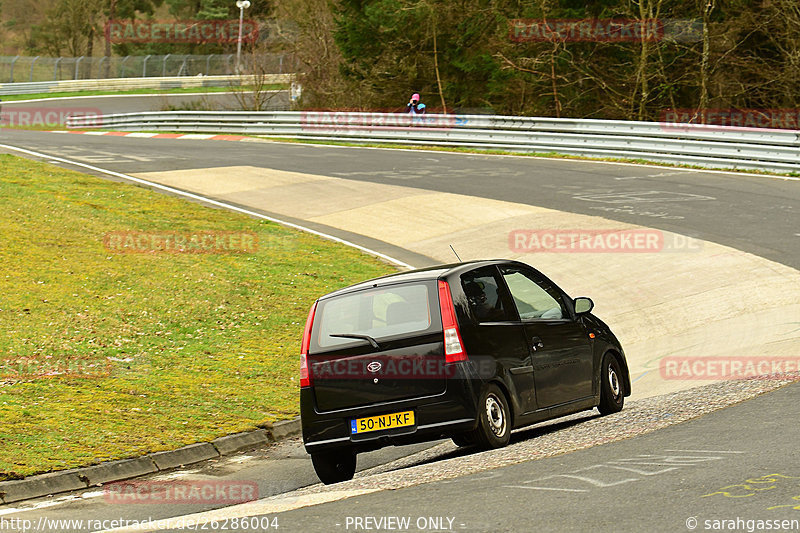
[{"x": 372, "y": 54}]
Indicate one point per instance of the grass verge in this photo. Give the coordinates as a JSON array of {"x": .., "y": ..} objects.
[
  {"x": 15, "y": 97},
  {"x": 106, "y": 355}
]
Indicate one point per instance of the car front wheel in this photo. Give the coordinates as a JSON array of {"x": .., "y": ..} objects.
[
  {"x": 612, "y": 394},
  {"x": 334, "y": 466}
]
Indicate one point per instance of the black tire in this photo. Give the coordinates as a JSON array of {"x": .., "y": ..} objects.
[
  {"x": 494, "y": 420},
  {"x": 334, "y": 467},
  {"x": 462, "y": 440},
  {"x": 612, "y": 390}
]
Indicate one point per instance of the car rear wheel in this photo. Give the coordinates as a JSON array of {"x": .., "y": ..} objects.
[
  {"x": 335, "y": 466},
  {"x": 612, "y": 394},
  {"x": 494, "y": 420}
]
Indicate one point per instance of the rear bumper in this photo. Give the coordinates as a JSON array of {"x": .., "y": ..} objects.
[{"x": 453, "y": 411}]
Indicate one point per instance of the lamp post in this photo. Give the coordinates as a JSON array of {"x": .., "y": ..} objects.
[{"x": 242, "y": 5}]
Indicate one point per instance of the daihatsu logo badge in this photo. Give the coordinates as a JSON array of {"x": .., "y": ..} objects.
[{"x": 374, "y": 366}]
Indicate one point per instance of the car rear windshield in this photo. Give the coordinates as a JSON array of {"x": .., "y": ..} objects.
[{"x": 378, "y": 313}]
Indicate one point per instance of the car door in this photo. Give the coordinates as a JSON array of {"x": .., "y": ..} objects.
[
  {"x": 496, "y": 343},
  {"x": 559, "y": 345}
]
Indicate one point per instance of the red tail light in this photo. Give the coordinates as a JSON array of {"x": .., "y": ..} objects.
[
  {"x": 453, "y": 347},
  {"x": 305, "y": 372}
]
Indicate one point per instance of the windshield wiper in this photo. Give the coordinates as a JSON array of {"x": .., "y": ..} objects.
[{"x": 367, "y": 338}]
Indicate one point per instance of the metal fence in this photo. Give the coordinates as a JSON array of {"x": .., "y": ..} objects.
[
  {"x": 690, "y": 144},
  {"x": 128, "y": 84},
  {"x": 32, "y": 69}
]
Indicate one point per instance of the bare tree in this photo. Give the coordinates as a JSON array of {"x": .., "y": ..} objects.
[
  {"x": 707, "y": 7},
  {"x": 260, "y": 91},
  {"x": 308, "y": 28},
  {"x": 647, "y": 12}
]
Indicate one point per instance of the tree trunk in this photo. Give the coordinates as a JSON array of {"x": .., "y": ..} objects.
[
  {"x": 87, "y": 69},
  {"x": 704, "y": 60},
  {"x": 641, "y": 71},
  {"x": 554, "y": 78},
  {"x": 112, "y": 13},
  {"x": 436, "y": 67}
]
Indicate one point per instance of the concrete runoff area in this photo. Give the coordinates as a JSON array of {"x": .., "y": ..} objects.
[{"x": 670, "y": 308}]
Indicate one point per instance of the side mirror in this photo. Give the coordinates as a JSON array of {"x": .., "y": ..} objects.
[{"x": 583, "y": 305}]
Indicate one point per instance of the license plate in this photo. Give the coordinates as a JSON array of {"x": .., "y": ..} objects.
[{"x": 377, "y": 423}]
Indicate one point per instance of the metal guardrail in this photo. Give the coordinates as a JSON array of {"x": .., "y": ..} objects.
[
  {"x": 121, "y": 84},
  {"x": 690, "y": 144},
  {"x": 38, "y": 68}
]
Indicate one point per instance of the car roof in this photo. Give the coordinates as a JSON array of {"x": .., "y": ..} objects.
[{"x": 422, "y": 274}]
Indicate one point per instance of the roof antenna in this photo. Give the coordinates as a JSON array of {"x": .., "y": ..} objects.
[{"x": 454, "y": 251}]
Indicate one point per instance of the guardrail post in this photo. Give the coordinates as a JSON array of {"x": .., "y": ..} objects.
[
  {"x": 100, "y": 66},
  {"x": 32, "y": 62},
  {"x": 77, "y": 63},
  {"x": 280, "y": 65},
  {"x": 122, "y": 64},
  {"x": 164, "y": 66},
  {"x": 144, "y": 66},
  {"x": 55, "y": 68},
  {"x": 12, "y": 69},
  {"x": 208, "y": 63}
]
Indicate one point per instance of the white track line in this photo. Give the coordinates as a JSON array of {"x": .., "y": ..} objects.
[
  {"x": 51, "y": 503},
  {"x": 213, "y": 202}
]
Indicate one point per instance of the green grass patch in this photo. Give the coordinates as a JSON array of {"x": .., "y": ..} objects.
[
  {"x": 147, "y": 351},
  {"x": 15, "y": 97}
]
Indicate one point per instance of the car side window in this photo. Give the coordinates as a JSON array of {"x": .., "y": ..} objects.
[
  {"x": 482, "y": 288},
  {"x": 532, "y": 299}
]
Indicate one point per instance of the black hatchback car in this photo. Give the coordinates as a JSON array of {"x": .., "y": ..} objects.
[{"x": 468, "y": 351}]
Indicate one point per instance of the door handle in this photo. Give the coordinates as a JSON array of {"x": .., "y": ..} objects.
[{"x": 536, "y": 343}]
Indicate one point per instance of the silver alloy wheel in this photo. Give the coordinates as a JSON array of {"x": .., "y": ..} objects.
[
  {"x": 613, "y": 381},
  {"x": 495, "y": 415}
]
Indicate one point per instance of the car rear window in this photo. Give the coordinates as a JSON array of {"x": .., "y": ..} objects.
[{"x": 381, "y": 312}]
